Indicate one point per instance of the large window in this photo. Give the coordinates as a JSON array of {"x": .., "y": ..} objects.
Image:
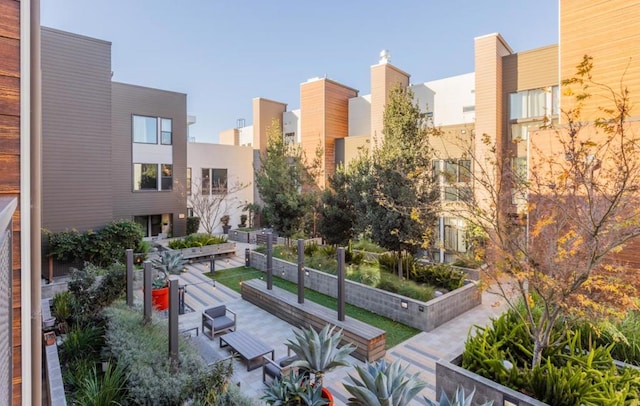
[
  {"x": 145, "y": 129},
  {"x": 152, "y": 177},
  {"x": 533, "y": 103},
  {"x": 214, "y": 181}
]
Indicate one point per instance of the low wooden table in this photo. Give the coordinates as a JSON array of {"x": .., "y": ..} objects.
[{"x": 249, "y": 347}]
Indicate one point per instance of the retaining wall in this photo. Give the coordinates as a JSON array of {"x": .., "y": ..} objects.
[{"x": 425, "y": 316}]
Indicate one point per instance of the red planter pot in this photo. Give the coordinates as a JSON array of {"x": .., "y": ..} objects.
[
  {"x": 160, "y": 298},
  {"x": 327, "y": 395}
]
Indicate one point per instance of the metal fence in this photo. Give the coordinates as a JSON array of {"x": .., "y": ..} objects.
[{"x": 7, "y": 208}]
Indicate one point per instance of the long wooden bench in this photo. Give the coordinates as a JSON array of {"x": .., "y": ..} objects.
[{"x": 370, "y": 341}]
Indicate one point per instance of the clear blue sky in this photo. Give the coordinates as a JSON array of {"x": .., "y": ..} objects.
[{"x": 222, "y": 54}]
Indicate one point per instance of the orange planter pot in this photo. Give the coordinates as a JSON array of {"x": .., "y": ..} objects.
[
  {"x": 160, "y": 298},
  {"x": 327, "y": 395}
]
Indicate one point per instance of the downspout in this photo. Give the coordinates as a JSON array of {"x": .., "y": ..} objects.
[{"x": 36, "y": 203}]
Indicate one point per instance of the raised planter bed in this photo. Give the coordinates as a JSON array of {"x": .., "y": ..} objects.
[
  {"x": 425, "y": 316},
  {"x": 370, "y": 341},
  {"x": 208, "y": 250}
]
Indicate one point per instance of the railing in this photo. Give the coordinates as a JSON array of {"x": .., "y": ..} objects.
[{"x": 7, "y": 208}]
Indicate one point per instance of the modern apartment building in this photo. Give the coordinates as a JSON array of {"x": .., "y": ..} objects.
[
  {"x": 110, "y": 150},
  {"x": 221, "y": 176}
]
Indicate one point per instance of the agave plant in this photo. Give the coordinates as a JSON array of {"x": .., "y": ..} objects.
[
  {"x": 293, "y": 389},
  {"x": 382, "y": 384},
  {"x": 458, "y": 399},
  {"x": 169, "y": 263},
  {"x": 318, "y": 353}
]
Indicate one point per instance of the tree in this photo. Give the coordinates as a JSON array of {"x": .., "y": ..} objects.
[
  {"x": 281, "y": 178},
  {"x": 210, "y": 205},
  {"x": 577, "y": 205},
  {"x": 406, "y": 200},
  {"x": 338, "y": 213}
]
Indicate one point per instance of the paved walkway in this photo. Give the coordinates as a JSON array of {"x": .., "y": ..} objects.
[{"x": 420, "y": 352}]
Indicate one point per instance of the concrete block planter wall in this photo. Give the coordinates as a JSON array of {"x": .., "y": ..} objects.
[
  {"x": 449, "y": 375},
  {"x": 425, "y": 316},
  {"x": 208, "y": 250}
]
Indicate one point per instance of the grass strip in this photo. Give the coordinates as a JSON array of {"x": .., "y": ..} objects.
[{"x": 396, "y": 332}]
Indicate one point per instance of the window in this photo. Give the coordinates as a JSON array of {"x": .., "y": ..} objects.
[
  {"x": 145, "y": 176},
  {"x": 456, "y": 174},
  {"x": 188, "y": 181},
  {"x": 533, "y": 103},
  {"x": 214, "y": 181},
  {"x": 289, "y": 138},
  {"x": 145, "y": 130},
  {"x": 468, "y": 109},
  {"x": 167, "y": 177},
  {"x": 166, "y": 133},
  {"x": 206, "y": 181},
  {"x": 219, "y": 181}
]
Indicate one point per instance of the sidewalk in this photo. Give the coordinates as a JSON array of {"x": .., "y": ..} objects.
[{"x": 420, "y": 352}]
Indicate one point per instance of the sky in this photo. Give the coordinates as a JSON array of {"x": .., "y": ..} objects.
[{"x": 222, "y": 54}]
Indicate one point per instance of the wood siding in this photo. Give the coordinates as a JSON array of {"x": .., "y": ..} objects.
[
  {"x": 76, "y": 131},
  {"x": 383, "y": 78},
  {"x": 129, "y": 100},
  {"x": 10, "y": 165},
  {"x": 264, "y": 112},
  {"x": 608, "y": 31},
  {"x": 324, "y": 107}
]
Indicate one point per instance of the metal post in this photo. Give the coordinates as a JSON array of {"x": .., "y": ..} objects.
[
  {"x": 341, "y": 283},
  {"x": 173, "y": 322},
  {"x": 181, "y": 299},
  {"x": 269, "y": 262},
  {"x": 300, "y": 271},
  {"x": 129, "y": 254},
  {"x": 212, "y": 266},
  {"x": 147, "y": 291},
  {"x": 247, "y": 257}
]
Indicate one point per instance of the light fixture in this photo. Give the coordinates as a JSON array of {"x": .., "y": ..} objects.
[
  {"x": 404, "y": 304},
  {"x": 282, "y": 273},
  {"x": 306, "y": 272},
  {"x": 214, "y": 284}
]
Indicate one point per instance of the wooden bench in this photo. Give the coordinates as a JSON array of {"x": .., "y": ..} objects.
[{"x": 370, "y": 341}]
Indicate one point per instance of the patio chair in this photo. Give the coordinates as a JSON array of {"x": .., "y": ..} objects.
[
  {"x": 215, "y": 320},
  {"x": 278, "y": 368}
]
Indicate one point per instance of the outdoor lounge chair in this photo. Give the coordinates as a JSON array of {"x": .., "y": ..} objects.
[
  {"x": 278, "y": 368},
  {"x": 215, "y": 320}
]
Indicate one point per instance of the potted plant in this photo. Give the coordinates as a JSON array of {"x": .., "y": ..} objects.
[
  {"x": 243, "y": 221},
  {"x": 169, "y": 263},
  {"x": 225, "y": 223},
  {"x": 317, "y": 354},
  {"x": 380, "y": 384}
]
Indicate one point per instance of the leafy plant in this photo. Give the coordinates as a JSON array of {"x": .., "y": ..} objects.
[
  {"x": 102, "y": 390},
  {"x": 82, "y": 342},
  {"x": 225, "y": 220},
  {"x": 169, "y": 263},
  {"x": 458, "y": 399},
  {"x": 63, "y": 305},
  {"x": 381, "y": 384},
  {"x": 318, "y": 352},
  {"x": 440, "y": 275},
  {"x": 196, "y": 240},
  {"x": 293, "y": 389}
]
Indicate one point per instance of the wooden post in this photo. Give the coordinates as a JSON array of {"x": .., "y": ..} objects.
[
  {"x": 269, "y": 262},
  {"x": 147, "y": 291},
  {"x": 129, "y": 253},
  {"x": 300, "y": 271},
  {"x": 341, "y": 283},
  {"x": 173, "y": 322}
]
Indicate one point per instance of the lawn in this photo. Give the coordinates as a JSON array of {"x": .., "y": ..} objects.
[{"x": 396, "y": 332}]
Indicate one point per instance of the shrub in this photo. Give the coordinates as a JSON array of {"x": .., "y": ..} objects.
[
  {"x": 62, "y": 305},
  {"x": 106, "y": 389},
  {"x": 89, "y": 296},
  {"x": 365, "y": 244},
  {"x": 83, "y": 342},
  {"x": 365, "y": 274},
  {"x": 440, "y": 275},
  {"x": 196, "y": 240},
  {"x": 142, "y": 351},
  {"x": 389, "y": 262},
  {"x": 193, "y": 224},
  {"x": 309, "y": 249},
  {"x": 418, "y": 292},
  {"x": 100, "y": 248}
]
